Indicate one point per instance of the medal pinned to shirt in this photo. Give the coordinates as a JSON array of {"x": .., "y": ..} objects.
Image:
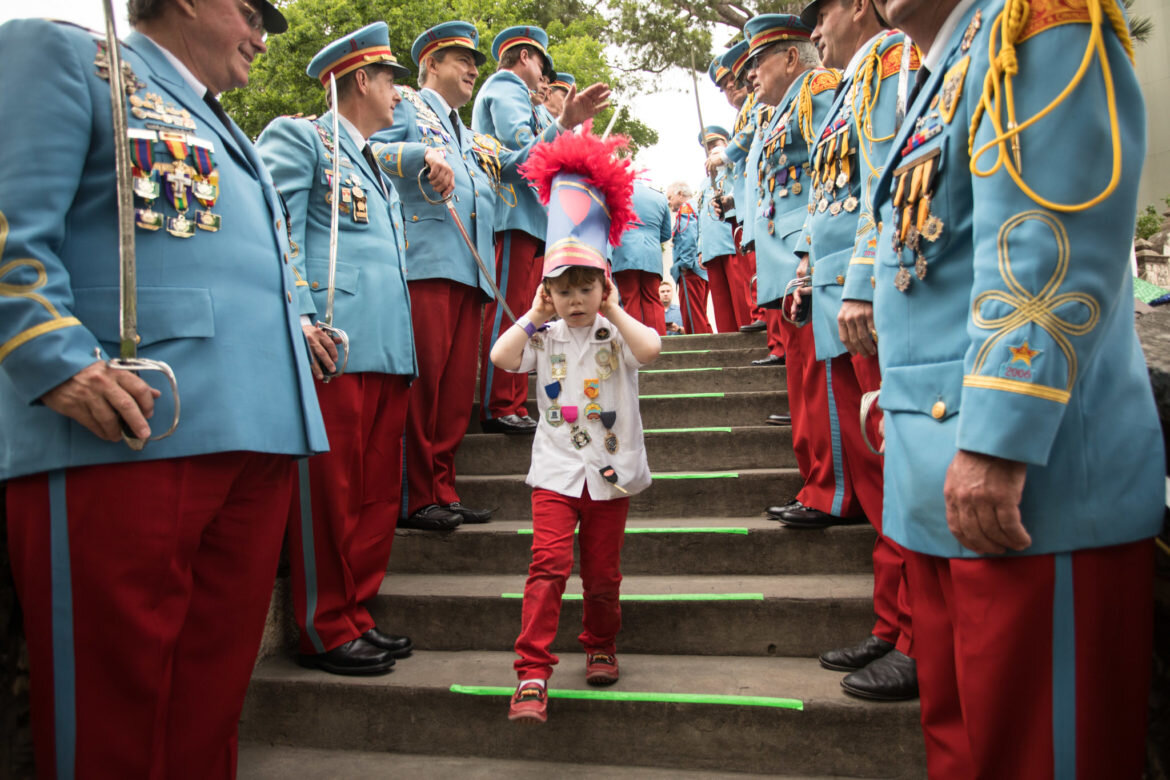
[
  {"x": 609, "y": 474},
  {"x": 604, "y": 359},
  {"x": 558, "y": 369},
  {"x": 592, "y": 388},
  {"x": 611, "y": 439},
  {"x": 553, "y": 413}
]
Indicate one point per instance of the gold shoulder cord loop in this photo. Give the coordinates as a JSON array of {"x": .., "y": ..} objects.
[
  {"x": 804, "y": 109},
  {"x": 870, "y": 77},
  {"x": 1004, "y": 65}
]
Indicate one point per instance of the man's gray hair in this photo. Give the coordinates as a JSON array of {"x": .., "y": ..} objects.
[
  {"x": 680, "y": 187},
  {"x": 141, "y": 10},
  {"x": 423, "y": 73},
  {"x": 808, "y": 54}
]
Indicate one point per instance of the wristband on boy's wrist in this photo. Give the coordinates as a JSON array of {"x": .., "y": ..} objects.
[{"x": 527, "y": 326}]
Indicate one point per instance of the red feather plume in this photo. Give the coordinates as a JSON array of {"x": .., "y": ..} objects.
[{"x": 587, "y": 155}]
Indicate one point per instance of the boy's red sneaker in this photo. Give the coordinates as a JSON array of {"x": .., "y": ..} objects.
[
  {"x": 601, "y": 669},
  {"x": 529, "y": 702}
]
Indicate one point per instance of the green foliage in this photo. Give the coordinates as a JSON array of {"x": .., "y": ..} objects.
[
  {"x": 1148, "y": 223},
  {"x": 1140, "y": 27},
  {"x": 278, "y": 84}
]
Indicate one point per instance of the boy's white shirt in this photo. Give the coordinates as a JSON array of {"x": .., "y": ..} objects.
[{"x": 556, "y": 464}]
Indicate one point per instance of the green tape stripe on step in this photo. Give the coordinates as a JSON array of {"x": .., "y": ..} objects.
[
  {"x": 688, "y": 430},
  {"x": 650, "y": 696},
  {"x": 686, "y": 352},
  {"x": 736, "y": 531},
  {"x": 680, "y": 395},
  {"x": 662, "y": 596},
  {"x": 676, "y": 370},
  {"x": 699, "y": 475}
]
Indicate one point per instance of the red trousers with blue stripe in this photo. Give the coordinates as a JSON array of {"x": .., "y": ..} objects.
[
  {"x": 144, "y": 588},
  {"x": 639, "y": 292},
  {"x": 692, "y": 302},
  {"x": 519, "y": 269},
  {"x": 1037, "y": 666},
  {"x": 350, "y": 500}
]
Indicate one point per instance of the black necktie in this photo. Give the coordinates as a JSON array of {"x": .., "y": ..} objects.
[
  {"x": 923, "y": 75},
  {"x": 455, "y": 125},
  {"x": 217, "y": 109},
  {"x": 369, "y": 155}
]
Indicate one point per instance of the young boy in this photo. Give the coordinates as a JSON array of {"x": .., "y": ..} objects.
[{"x": 588, "y": 458}]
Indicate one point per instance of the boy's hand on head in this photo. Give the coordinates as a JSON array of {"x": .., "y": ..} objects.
[
  {"x": 610, "y": 299},
  {"x": 542, "y": 306}
]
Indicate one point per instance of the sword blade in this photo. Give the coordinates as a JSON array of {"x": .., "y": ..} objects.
[
  {"x": 333, "y": 215},
  {"x": 128, "y": 279},
  {"x": 903, "y": 84},
  {"x": 479, "y": 261}
]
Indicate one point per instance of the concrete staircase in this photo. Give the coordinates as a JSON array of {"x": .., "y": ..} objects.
[{"x": 718, "y": 602}]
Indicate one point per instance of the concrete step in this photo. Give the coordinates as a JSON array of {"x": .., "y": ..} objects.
[
  {"x": 702, "y": 380},
  {"x": 703, "y": 545},
  {"x": 792, "y": 615},
  {"x": 694, "y": 410},
  {"x": 414, "y": 710},
  {"x": 279, "y": 762},
  {"x": 716, "y": 341},
  {"x": 731, "y": 493},
  {"x": 706, "y": 449},
  {"x": 681, "y": 356}
]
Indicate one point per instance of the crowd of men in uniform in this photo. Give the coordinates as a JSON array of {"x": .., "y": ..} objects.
[{"x": 927, "y": 205}]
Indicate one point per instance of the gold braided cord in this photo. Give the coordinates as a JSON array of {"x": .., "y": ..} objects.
[
  {"x": 745, "y": 112},
  {"x": 804, "y": 109},
  {"x": 1003, "y": 65},
  {"x": 863, "y": 112}
]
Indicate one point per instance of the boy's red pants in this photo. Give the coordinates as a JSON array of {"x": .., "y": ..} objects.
[{"x": 603, "y": 527}]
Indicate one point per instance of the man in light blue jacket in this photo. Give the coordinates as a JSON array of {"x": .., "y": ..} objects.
[
  {"x": 1025, "y": 472},
  {"x": 341, "y": 541},
  {"x": 144, "y": 575},
  {"x": 637, "y": 261}
]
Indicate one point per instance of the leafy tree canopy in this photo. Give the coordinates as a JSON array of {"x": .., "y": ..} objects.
[{"x": 278, "y": 84}]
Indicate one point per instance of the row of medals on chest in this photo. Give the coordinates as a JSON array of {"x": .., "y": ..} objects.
[
  {"x": 832, "y": 171},
  {"x": 774, "y": 171},
  {"x": 913, "y": 188},
  {"x": 352, "y": 197},
  {"x": 179, "y": 179},
  {"x": 606, "y": 358}
]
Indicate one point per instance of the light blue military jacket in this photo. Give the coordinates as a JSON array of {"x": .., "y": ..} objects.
[
  {"x": 371, "y": 303},
  {"x": 840, "y": 233},
  {"x": 1018, "y": 342},
  {"x": 784, "y": 181},
  {"x": 504, "y": 110},
  {"x": 685, "y": 235},
  {"x": 435, "y": 248},
  {"x": 736, "y": 152},
  {"x": 217, "y": 306},
  {"x": 545, "y": 118},
  {"x": 752, "y": 195},
  {"x": 641, "y": 247},
  {"x": 715, "y": 238}
]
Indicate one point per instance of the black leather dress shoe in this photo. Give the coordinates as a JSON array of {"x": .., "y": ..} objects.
[
  {"x": 355, "y": 657},
  {"x": 850, "y": 659},
  {"x": 432, "y": 518},
  {"x": 779, "y": 419},
  {"x": 774, "y": 512},
  {"x": 893, "y": 677},
  {"x": 771, "y": 360},
  {"x": 752, "y": 327},
  {"x": 509, "y": 423},
  {"x": 396, "y": 646},
  {"x": 807, "y": 517},
  {"x": 470, "y": 515}
]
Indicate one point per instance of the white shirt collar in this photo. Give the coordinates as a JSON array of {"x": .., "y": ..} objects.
[
  {"x": 446, "y": 106},
  {"x": 938, "y": 48},
  {"x": 358, "y": 139},
  {"x": 196, "y": 85},
  {"x": 858, "y": 55}
]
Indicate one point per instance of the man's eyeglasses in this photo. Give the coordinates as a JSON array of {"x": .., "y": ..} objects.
[
  {"x": 755, "y": 60},
  {"x": 254, "y": 17}
]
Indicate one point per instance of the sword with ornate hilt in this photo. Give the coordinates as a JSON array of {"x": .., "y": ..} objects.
[
  {"x": 716, "y": 183},
  {"x": 449, "y": 202},
  {"x": 337, "y": 334},
  {"x": 128, "y": 359},
  {"x": 799, "y": 316}
]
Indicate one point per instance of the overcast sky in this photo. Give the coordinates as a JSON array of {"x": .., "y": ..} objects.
[{"x": 670, "y": 109}]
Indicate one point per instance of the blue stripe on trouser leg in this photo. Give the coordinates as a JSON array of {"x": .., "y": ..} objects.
[
  {"x": 835, "y": 437},
  {"x": 506, "y": 262},
  {"x": 1064, "y": 670},
  {"x": 64, "y": 670},
  {"x": 309, "y": 556}
]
